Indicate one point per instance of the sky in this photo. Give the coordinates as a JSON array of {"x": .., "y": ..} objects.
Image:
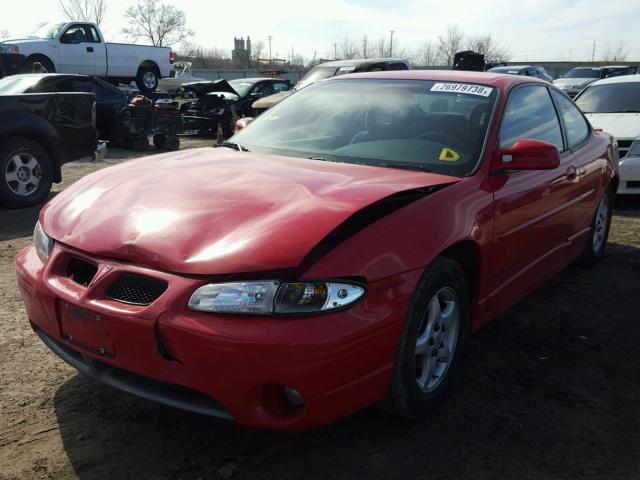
[{"x": 542, "y": 30}]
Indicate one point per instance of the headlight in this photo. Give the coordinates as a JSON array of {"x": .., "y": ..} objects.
[
  {"x": 42, "y": 242},
  {"x": 267, "y": 297},
  {"x": 634, "y": 150},
  {"x": 8, "y": 48}
]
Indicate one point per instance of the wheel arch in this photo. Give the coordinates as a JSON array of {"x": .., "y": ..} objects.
[
  {"x": 149, "y": 64},
  {"x": 467, "y": 254},
  {"x": 34, "y": 57}
]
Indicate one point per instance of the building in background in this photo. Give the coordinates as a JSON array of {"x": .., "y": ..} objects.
[{"x": 241, "y": 53}]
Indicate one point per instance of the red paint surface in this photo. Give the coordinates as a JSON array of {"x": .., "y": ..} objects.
[{"x": 191, "y": 216}]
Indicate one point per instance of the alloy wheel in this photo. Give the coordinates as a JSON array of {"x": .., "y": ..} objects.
[
  {"x": 600, "y": 227},
  {"x": 23, "y": 174},
  {"x": 437, "y": 339}
]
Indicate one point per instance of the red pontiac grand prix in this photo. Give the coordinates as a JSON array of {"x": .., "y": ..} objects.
[{"x": 335, "y": 253}]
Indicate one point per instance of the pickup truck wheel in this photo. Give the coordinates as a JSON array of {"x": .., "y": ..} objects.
[
  {"x": 47, "y": 66},
  {"x": 25, "y": 173},
  {"x": 147, "y": 79}
]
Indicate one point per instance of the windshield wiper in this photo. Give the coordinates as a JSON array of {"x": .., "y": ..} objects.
[
  {"x": 626, "y": 111},
  {"x": 403, "y": 166},
  {"x": 234, "y": 146}
]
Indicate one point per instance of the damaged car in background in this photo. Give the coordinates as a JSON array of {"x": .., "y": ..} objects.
[
  {"x": 335, "y": 253},
  {"x": 121, "y": 119},
  {"x": 208, "y": 105}
]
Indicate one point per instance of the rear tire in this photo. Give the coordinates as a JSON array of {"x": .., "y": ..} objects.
[
  {"x": 596, "y": 245},
  {"x": 147, "y": 79},
  {"x": 25, "y": 173},
  {"x": 433, "y": 341}
]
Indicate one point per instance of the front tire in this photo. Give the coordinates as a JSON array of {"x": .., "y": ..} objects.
[
  {"x": 47, "y": 65},
  {"x": 25, "y": 173},
  {"x": 147, "y": 79},
  {"x": 596, "y": 245},
  {"x": 433, "y": 341}
]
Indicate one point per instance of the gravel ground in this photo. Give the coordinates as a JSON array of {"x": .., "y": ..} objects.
[{"x": 551, "y": 391}]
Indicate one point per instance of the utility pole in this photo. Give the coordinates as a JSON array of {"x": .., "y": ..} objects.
[
  {"x": 391, "y": 45},
  {"x": 335, "y": 51},
  {"x": 364, "y": 47},
  {"x": 593, "y": 52},
  {"x": 270, "y": 57}
]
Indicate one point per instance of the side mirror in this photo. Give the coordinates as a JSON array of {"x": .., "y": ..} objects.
[
  {"x": 243, "y": 123},
  {"x": 527, "y": 154}
]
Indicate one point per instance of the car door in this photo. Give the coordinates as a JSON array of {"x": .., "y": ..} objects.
[
  {"x": 587, "y": 163},
  {"x": 76, "y": 52},
  {"x": 532, "y": 208}
]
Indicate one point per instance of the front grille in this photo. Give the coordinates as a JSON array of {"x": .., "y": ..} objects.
[
  {"x": 623, "y": 147},
  {"x": 80, "y": 271},
  {"x": 136, "y": 289}
]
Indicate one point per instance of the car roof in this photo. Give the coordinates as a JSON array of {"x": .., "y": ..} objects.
[
  {"x": 501, "y": 81},
  {"x": 361, "y": 62},
  {"x": 53, "y": 75},
  {"x": 619, "y": 79},
  {"x": 599, "y": 68}
]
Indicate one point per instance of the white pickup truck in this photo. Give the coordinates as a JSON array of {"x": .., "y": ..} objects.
[{"x": 79, "y": 47}]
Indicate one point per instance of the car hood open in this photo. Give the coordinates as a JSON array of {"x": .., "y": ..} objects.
[{"x": 217, "y": 211}]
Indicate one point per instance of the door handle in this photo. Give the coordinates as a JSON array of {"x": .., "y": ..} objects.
[
  {"x": 571, "y": 173},
  {"x": 90, "y": 49}
]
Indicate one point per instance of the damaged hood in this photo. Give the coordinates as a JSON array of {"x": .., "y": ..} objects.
[
  {"x": 216, "y": 211},
  {"x": 202, "y": 88}
]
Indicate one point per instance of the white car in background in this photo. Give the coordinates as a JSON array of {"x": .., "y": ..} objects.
[{"x": 613, "y": 104}]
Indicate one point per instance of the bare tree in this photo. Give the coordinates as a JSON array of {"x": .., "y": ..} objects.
[
  {"x": 487, "y": 46},
  {"x": 84, "y": 10},
  {"x": 160, "y": 23},
  {"x": 201, "y": 57},
  {"x": 258, "y": 49},
  {"x": 616, "y": 52},
  {"x": 347, "y": 49},
  {"x": 380, "y": 48},
  {"x": 4, "y": 33},
  {"x": 449, "y": 43},
  {"x": 426, "y": 55}
]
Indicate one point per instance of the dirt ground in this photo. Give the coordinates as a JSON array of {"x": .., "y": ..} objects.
[{"x": 551, "y": 391}]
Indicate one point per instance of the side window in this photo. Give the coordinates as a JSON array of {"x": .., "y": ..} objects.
[
  {"x": 574, "y": 123},
  {"x": 530, "y": 114},
  {"x": 397, "y": 66},
  {"x": 92, "y": 34},
  {"x": 80, "y": 86},
  {"x": 74, "y": 34},
  {"x": 280, "y": 87},
  {"x": 263, "y": 89}
]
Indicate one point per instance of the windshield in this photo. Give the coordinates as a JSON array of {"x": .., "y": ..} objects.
[
  {"x": 46, "y": 30},
  {"x": 611, "y": 98},
  {"x": 316, "y": 73},
  {"x": 241, "y": 86},
  {"x": 18, "y": 84},
  {"x": 417, "y": 125},
  {"x": 583, "y": 73}
]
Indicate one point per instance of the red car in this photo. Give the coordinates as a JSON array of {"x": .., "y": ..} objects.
[{"x": 335, "y": 253}]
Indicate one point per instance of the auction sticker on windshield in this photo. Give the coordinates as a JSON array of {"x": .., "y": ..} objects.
[{"x": 462, "y": 88}]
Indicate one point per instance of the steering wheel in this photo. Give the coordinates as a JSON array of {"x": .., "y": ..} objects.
[{"x": 443, "y": 138}]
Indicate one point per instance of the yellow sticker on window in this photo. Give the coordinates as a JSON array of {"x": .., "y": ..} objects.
[{"x": 449, "y": 155}]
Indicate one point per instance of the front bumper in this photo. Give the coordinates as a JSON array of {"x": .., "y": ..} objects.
[
  {"x": 629, "y": 176},
  {"x": 221, "y": 365}
]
